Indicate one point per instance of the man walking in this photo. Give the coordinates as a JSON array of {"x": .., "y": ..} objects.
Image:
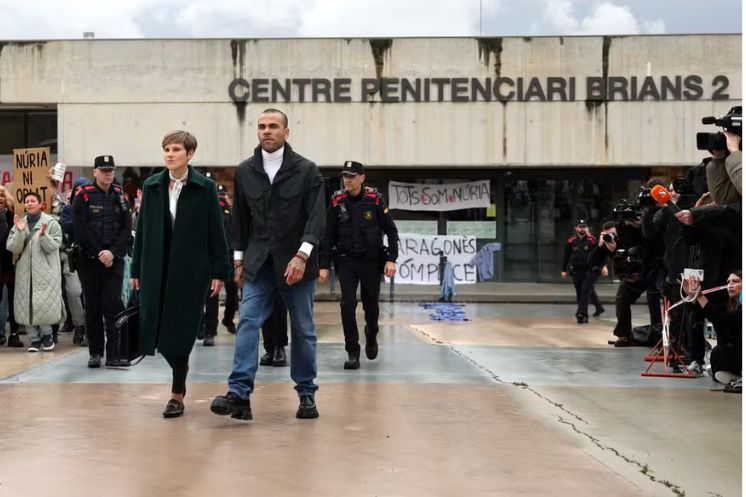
[
  {"x": 277, "y": 225},
  {"x": 576, "y": 262},
  {"x": 356, "y": 221}
]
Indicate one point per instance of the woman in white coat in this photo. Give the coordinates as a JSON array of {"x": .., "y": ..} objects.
[{"x": 35, "y": 239}]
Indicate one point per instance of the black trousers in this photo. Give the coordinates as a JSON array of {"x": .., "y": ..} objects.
[
  {"x": 585, "y": 290},
  {"x": 275, "y": 327},
  {"x": 366, "y": 272},
  {"x": 179, "y": 370},
  {"x": 102, "y": 290},
  {"x": 231, "y": 300},
  {"x": 726, "y": 358},
  {"x": 626, "y": 295},
  {"x": 11, "y": 313}
]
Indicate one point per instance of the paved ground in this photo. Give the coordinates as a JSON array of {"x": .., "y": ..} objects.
[{"x": 519, "y": 400}]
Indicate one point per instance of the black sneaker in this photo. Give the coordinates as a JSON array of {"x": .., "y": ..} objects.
[
  {"x": 209, "y": 341},
  {"x": 15, "y": 341},
  {"x": 279, "y": 358},
  {"x": 232, "y": 404},
  {"x": 34, "y": 347},
  {"x": 3, "y": 340},
  {"x": 47, "y": 343},
  {"x": 94, "y": 361},
  {"x": 599, "y": 310},
  {"x": 582, "y": 318},
  {"x": 307, "y": 408}
]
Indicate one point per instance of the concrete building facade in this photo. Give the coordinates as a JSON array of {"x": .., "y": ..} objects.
[{"x": 563, "y": 127}]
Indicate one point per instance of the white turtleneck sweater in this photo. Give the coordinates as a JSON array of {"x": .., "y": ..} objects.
[{"x": 272, "y": 163}]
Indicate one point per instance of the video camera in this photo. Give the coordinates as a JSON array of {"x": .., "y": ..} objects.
[
  {"x": 627, "y": 211},
  {"x": 687, "y": 196},
  {"x": 716, "y": 141},
  {"x": 628, "y": 264}
]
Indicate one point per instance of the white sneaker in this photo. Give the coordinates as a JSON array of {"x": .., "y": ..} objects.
[
  {"x": 694, "y": 367},
  {"x": 725, "y": 377}
]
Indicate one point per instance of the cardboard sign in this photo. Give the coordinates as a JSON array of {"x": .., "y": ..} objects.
[{"x": 30, "y": 168}]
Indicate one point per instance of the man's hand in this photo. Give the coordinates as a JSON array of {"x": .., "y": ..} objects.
[
  {"x": 215, "y": 286},
  {"x": 106, "y": 258},
  {"x": 732, "y": 140},
  {"x": 135, "y": 283},
  {"x": 295, "y": 270},
  {"x": 238, "y": 273},
  {"x": 564, "y": 275},
  {"x": 323, "y": 276},
  {"x": 685, "y": 217},
  {"x": 389, "y": 269}
]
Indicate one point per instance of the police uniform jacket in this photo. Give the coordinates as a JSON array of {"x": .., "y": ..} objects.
[
  {"x": 275, "y": 219},
  {"x": 355, "y": 227},
  {"x": 102, "y": 221},
  {"x": 577, "y": 253}
]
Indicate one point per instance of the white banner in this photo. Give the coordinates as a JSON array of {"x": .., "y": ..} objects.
[
  {"x": 419, "y": 258},
  {"x": 446, "y": 197}
]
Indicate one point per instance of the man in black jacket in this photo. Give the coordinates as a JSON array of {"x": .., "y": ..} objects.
[{"x": 277, "y": 225}]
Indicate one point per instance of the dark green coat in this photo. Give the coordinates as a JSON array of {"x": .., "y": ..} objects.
[{"x": 198, "y": 254}]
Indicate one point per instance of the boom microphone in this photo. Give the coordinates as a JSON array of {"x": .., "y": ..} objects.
[{"x": 663, "y": 197}]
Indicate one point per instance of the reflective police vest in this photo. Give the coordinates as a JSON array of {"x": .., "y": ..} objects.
[{"x": 359, "y": 232}]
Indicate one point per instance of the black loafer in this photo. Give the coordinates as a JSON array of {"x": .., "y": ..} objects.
[
  {"x": 371, "y": 347},
  {"x": 307, "y": 408},
  {"x": 353, "y": 360},
  {"x": 209, "y": 341},
  {"x": 232, "y": 404},
  {"x": 174, "y": 409}
]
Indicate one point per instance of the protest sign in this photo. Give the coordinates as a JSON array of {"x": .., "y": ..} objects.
[
  {"x": 419, "y": 258},
  {"x": 445, "y": 197},
  {"x": 30, "y": 168}
]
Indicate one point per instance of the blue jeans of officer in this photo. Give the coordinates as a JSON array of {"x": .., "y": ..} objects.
[{"x": 256, "y": 306}]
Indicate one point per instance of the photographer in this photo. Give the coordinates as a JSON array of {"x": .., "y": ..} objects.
[
  {"x": 576, "y": 262},
  {"x": 724, "y": 170},
  {"x": 685, "y": 327},
  {"x": 637, "y": 263}
]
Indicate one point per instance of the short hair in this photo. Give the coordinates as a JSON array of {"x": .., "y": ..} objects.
[
  {"x": 182, "y": 138},
  {"x": 608, "y": 225},
  {"x": 32, "y": 194},
  {"x": 656, "y": 180},
  {"x": 277, "y": 111}
]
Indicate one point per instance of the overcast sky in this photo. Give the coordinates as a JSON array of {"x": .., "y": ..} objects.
[{"x": 68, "y": 19}]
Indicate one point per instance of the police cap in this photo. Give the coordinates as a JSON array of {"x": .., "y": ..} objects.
[
  {"x": 104, "y": 162},
  {"x": 352, "y": 168}
]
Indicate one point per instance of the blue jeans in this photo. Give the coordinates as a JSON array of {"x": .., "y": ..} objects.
[{"x": 255, "y": 308}]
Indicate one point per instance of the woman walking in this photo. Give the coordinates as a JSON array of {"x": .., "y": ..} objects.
[{"x": 180, "y": 255}]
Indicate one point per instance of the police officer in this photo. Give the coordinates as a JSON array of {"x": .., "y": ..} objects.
[
  {"x": 576, "y": 261},
  {"x": 355, "y": 223},
  {"x": 210, "y": 319},
  {"x": 103, "y": 229}
]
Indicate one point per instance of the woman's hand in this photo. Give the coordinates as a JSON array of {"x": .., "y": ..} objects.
[
  {"x": 43, "y": 229},
  {"x": 19, "y": 222}
]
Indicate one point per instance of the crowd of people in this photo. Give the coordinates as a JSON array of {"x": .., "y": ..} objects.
[{"x": 653, "y": 247}]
